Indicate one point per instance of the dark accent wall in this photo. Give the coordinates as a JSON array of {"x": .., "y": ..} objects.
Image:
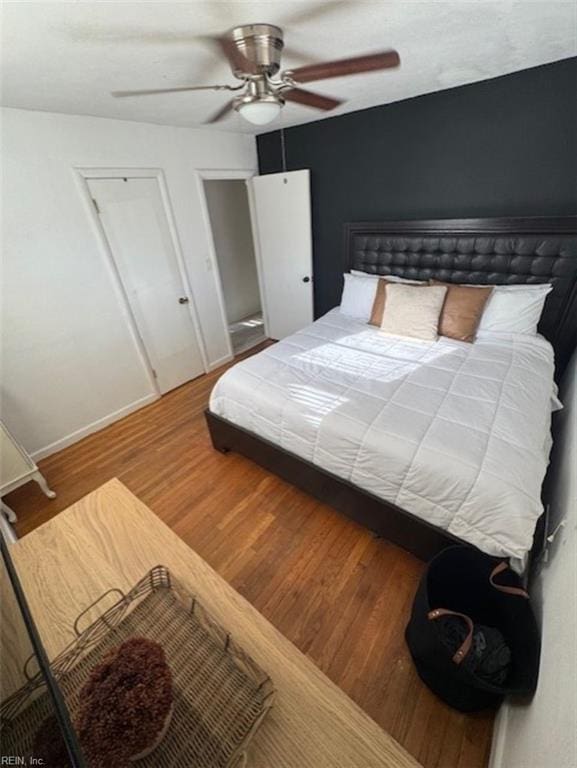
[{"x": 502, "y": 147}]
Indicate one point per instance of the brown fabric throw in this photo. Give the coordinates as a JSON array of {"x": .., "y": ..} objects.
[
  {"x": 376, "y": 317},
  {"x": 462, "y": 310}
]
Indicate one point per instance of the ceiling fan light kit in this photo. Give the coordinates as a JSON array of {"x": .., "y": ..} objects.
[
  {"x": 254, "y": 54},
  {"x": 260, "y": 112},
  {"x": 259, "y": 105}
]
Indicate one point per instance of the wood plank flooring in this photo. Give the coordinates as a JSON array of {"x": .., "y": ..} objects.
[{"x": 340, "y": 594}]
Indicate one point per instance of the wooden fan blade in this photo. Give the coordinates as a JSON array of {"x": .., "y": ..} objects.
[
  {"x": 237, "y": 61},
  {"x": 356, "y": 66},
  {"x": 152, "y": 91},
  {"x": 309, "y": 99},
  {"x": 223, "y": 112}
]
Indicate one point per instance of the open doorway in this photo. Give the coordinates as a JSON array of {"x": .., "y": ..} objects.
[{"x": 229, "y": 214}]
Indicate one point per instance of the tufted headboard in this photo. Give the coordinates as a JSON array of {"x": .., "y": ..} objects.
[{"x": 490, "y": 251}]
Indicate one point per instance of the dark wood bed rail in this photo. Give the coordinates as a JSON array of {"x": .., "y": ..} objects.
[{"x": 387, "y": 520}]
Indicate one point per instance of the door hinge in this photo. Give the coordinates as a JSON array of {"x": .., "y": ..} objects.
[{"x": 96, "y": 208}]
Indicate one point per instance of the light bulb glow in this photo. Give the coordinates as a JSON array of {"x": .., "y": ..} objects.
[{"x": 260, "y": 112}]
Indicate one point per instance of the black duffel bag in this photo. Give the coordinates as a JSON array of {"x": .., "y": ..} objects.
[{"x": 472, "y": 633}]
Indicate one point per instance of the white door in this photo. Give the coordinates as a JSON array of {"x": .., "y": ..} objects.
[
  {"x": 134, "y": 221},
  {"x": 281, "y": 219}
]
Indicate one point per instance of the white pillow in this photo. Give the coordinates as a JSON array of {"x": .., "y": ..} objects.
[
  {"x": 413, "y": 310},
  {"x": 390, "y": 278},
  {"x": 358, "y": 296},
  {"x": 514, "y": 309}
]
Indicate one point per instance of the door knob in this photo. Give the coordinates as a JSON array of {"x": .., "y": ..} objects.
[
  {"x": 306, "y": 279},
  {"x": 183, "y": 300}
]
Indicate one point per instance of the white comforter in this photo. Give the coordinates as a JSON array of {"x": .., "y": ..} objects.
[{"x": 457, "y": 434}]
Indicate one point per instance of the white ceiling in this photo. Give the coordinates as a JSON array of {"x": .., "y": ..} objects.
[{"x": 68, "y": 56}]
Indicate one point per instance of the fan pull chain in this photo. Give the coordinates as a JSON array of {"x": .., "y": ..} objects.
[{"x": 283, "y": 151}]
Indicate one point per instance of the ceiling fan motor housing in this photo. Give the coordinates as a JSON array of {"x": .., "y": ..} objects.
[
  {"x": 253, "y": 52},
  {"x": 262, "y": 45}
]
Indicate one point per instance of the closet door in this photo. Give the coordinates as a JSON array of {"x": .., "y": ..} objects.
[
  {"x": 281, "y": 220},
  {"x": 134, "y": 221}
]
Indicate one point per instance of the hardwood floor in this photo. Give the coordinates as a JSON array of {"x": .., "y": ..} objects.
[{"x": 339, "y": 593}]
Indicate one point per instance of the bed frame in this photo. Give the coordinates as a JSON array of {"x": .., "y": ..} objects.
[{"x": 481, "y": 251}]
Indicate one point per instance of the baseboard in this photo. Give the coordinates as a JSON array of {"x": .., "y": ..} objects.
[
  {"x": 220, "y": 361},
  {"x": 95, "y": 426},
  {"x": 499, "y": 737}
]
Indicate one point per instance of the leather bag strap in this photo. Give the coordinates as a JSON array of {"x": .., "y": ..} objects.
[
  {"x": 467, "y": 642},
  {"x": 499, "y": 568}
]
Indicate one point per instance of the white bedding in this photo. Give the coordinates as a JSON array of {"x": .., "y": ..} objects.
[{"x": 457, "y": 434}]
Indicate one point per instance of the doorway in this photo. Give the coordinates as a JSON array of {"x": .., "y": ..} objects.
[
  {"x": 229, "y": 214},
  {"x": 135, "y": 224}
]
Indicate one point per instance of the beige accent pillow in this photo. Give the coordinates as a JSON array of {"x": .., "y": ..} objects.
[
  {"x": 462, "y": 310},
  {"x": 413, "y": 310}
]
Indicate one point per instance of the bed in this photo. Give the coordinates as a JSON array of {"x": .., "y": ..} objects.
[{"x": 427, "y": 443}]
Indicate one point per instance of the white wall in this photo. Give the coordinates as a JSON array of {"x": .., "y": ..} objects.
[
  {"x": 543, "y": 734},
  {"x": 231, "y": 229},
  {"x": 69, "y": 362}
]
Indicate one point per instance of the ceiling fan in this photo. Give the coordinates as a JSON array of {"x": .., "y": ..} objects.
[{"x": 254, "y": 53}]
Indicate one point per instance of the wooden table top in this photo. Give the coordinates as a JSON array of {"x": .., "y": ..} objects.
[{"x": 111, "y": 539}]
